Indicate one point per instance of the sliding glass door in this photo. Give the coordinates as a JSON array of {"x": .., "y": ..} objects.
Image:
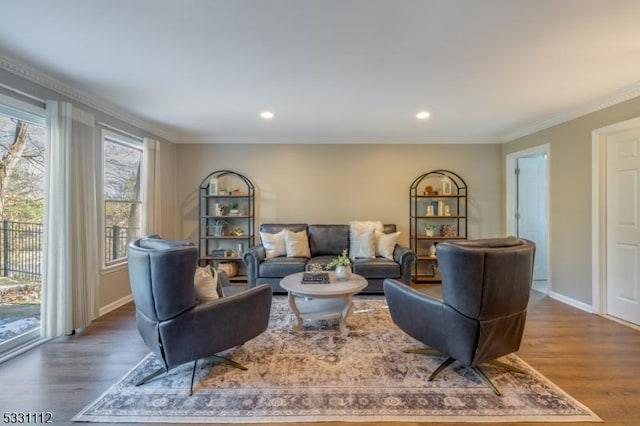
[{"x": 22, "y": 145}]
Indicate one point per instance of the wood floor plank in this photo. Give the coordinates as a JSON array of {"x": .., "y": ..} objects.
[{"x": 594, "y": 359}]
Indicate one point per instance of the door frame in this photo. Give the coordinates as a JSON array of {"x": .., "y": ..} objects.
[
  {"x": 599, "y": 210},
  {"x": 511, "y": 195}
]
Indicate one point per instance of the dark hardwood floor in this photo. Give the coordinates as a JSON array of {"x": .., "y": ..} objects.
[{"x": 594, "y": 359}]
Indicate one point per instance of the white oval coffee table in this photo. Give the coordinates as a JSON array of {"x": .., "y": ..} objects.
[{"x": 322, "y": 301}]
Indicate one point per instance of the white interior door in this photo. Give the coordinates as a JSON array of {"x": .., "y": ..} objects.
[
  {"x": 623, "y": 229},
  {"x": 532, "y": 208}
]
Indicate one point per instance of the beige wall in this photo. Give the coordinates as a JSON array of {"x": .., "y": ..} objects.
[
  {"x": 570, "y": 195},
  {"x": 339, "y": 183}
]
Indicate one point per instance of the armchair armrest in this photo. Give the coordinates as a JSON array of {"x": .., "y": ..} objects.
[
  {"x": 405, "y": 257},
  {"x": 419, "y": 315},
  {"x": 253, "y": 257}
]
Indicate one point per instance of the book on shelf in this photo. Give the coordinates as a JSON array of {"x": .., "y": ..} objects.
[{"x": 315, "y": 278}]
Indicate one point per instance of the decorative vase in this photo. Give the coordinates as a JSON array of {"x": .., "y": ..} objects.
[
  {"x": 343, "y": 273},
  {"x": 217, "y": 230}
]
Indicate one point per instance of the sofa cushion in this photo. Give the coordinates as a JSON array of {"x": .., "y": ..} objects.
[
  {"x": 274, "y": 244},
  {"x": 279, "y": 267},
  {"x": 328, "y": 239},
  {"x": 385, "y": 243},
  {"x": 297, "y": 243},
  {"x": 376, "y": 268},
  {"x": 361, "y": 238},
  {"x": 206, "y": 283}
]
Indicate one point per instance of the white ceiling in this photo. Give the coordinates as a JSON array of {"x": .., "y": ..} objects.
[{"x": 335, "y": 71}]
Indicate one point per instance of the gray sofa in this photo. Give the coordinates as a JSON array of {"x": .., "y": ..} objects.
[{"x": 325, "y": 243}]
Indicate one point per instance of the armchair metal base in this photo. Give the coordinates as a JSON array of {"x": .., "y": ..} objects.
[
  {"x": 217, "y": 360},
  {"x": 481, "y": 375}
]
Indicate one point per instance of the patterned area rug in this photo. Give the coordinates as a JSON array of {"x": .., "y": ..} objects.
[{"x": 318, "y": 375}]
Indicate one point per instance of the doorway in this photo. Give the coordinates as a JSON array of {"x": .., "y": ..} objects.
[
  {"x": 528, "y": 206},
  {"x": 616, "y": 221}
]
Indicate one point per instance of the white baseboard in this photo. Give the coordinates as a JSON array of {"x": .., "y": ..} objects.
[
  {"x": 115, "y": 305},
  {"x": 571, "y": 302}
]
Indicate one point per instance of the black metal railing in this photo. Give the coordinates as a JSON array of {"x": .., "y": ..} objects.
[
  {"x": 116, "y": 240},
  {"x": 21, "y": 250},
  {"x": 21, "y": 247}
]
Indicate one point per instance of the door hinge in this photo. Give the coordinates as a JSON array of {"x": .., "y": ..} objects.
[
  {"x": 517, "y": 216},
  {"x": 517, "y": 171}
]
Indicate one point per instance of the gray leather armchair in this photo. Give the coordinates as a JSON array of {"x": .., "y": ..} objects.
[
  {"x": 172, "y": 323},
  {"x": 481, "y": 314}
]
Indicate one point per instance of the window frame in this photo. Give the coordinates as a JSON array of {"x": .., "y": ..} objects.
[{"x": 111, "y": 135}]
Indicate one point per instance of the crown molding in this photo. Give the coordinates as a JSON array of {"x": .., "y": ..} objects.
[
  {"x": 626, "y": 93},
  {"x": 336, "y": 140},
  {"x": 28, "y": 73}
]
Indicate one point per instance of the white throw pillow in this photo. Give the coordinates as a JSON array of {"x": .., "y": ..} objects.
[
  {"x": 206, "y": 283},
  {"x": 297, "y": 244},
  {"x": 361, "y": 238},
  {"x": 274, "y": 244},
  {"x": 386, "y": 243}
]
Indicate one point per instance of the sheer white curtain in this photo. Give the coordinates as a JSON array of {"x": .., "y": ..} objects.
[
  {"x": 70, "y": 274},
  {"x": 151, "y": 221}
]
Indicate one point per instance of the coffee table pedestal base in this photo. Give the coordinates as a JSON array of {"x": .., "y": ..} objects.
[{"x": 321, "y": 309}]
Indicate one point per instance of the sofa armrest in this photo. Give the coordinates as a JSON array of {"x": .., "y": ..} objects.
[
  {"x": 253, "y": 257},
  {"x": 405, "y": 257}
]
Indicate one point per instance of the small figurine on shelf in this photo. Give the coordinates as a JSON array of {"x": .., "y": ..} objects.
[
  {"x": 430, "y": 210},
  {"x": 237, "y": 232},
  {"x": 219, "y": 209},
  {"x": 447, "y": 210},
  {"x": 432, "y": 250}
]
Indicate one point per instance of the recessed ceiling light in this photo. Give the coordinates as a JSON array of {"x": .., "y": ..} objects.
[
  {"x": 422, "y": 115},
  {"x": 267, "y": 115}
]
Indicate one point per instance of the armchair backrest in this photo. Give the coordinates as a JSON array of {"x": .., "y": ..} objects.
[
  {"x": 488, "y": 283},
  {"x": 161, "y": 275}
]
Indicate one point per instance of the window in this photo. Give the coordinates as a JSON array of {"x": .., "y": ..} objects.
[{"x": 121, "y": 182}]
